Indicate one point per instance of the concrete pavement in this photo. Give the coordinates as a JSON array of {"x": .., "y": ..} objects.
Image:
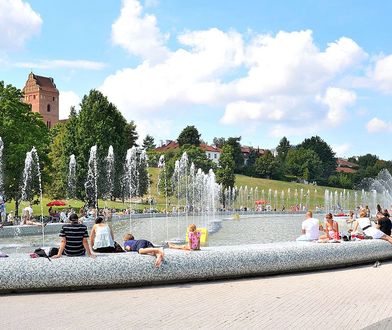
[{"x": 350, "y": 298}]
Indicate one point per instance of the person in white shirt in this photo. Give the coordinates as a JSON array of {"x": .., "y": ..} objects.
[
  {"x": 27, "y": 217},
  {"x": 365, "y": 224},
  {"x": 310, "y": 228}
]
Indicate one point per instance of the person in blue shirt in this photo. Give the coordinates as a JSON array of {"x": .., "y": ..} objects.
[{"x": 143, "y": 246}]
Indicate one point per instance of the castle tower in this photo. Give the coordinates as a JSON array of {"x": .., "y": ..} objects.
[{"x": 42, "y": 94}]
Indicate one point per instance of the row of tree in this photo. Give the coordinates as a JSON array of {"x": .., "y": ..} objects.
[
  {"x": 97, "y": 123},
  {"x": 100, "y": 123},
  {"x": 313, "y": 160}
]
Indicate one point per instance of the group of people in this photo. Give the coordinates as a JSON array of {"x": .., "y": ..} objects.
[
  {"x": 74, "y": 241},
  {"x": 311, "y": 227}
]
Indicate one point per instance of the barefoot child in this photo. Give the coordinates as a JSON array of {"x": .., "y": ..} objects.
[
  {"x": 193, "y": 237},
  {"x": 143, "y": 246}
]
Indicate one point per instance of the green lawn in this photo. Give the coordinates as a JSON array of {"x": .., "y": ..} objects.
[{"x": 316, "y": 194}]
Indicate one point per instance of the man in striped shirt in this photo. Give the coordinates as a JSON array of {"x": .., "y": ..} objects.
[{"x": 73, "y": 239}]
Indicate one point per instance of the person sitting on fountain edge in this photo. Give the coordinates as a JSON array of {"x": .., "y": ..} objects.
[
  {"x": 143, "y": 246},
  {"x": 193, "y": 240},
  {"x": 310, "y": 228},
  {"x": 364, "y": 223},
  {"x": 74, "y": 239}
]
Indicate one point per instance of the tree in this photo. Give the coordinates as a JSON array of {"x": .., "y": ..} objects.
[
  {"x": 57, "y": 187},
  {"x": 303, "y": 163},
  {"x": 198, "y": 157},
  {"x": 237, "y": 155},
  {"x": 98, "y": 123},
  {"x": 148, "y": 143},
  {"x": 249, "y": 167},
  {"x": 219, "y": 142},
  {"x": 189, "y": 135},
  {"x": 282, "y": 149},
  {"x": 20, "y": 130},
  {"x": 130, "y": 135},
  {"x": 225, "y": 172},
  {"x": 341, "y": 180},
  {"x": 324, "y": 152},
  {"x": 266, "y": 166}
]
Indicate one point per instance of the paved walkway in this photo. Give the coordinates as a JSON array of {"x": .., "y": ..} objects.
[{"x": 351, "y": 298}]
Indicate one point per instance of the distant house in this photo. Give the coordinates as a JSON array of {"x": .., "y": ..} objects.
[
  {"x": 246, "y": 151},
  {"x": 344, "y": 166},
  {"x": 168, "y": 146},
  {"x": 212, "y": 153}
]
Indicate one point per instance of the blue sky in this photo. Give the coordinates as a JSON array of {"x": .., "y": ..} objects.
[{"x": 256, "y": 69}]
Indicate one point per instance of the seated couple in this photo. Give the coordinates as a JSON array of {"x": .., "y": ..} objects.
[
  {"x": 311, "y": 228},
  {"x": 74, "y": 239}
]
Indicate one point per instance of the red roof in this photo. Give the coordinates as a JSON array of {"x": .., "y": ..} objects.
[
  {"x": 45, "y": 82},
  {"x": 247, "y": 150},
  {"x": 171, "y": 145},
  {"x": 345, "y": 170},
  {"x": 206, "y": 147},
  {"x": 344, "y": 163}
]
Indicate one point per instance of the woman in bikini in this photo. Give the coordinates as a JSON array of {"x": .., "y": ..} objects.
[{"x": 331, "y": 228}]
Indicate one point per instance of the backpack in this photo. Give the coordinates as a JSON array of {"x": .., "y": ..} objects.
[{"x": 41, "y": 253}]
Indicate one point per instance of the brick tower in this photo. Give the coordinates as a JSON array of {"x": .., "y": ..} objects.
[{"x": 42, "y": 94}]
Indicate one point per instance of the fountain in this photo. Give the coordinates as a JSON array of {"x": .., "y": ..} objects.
[
  {"x": 3, "y": 211},
  {"x": 109, "y": 162},
  {"x": 71, "y": 182},
  {"x": 381, "y": 191},
  {"x": 1, "y": 168},
  {"x": 198, "y": 197},
  {"x": 31, "y": 171},
  {"x": 92, "y": 179}
]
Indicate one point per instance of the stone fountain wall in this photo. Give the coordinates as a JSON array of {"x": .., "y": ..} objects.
[{"x": 21, "y": 273}]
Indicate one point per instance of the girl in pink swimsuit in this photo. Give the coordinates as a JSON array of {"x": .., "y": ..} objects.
[{"x": 194, "y": 240}]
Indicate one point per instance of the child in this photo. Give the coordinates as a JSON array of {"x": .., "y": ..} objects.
[
  {"x": 194, "y": 240},
  {"x": 143, "y": 246}
]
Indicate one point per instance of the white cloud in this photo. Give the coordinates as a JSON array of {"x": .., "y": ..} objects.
[
  {"x": 69, "y": 64},
  {"x": 382, "y": 74},
  {"x": 185, "y": 77},
  {"x": 138, "y": 34},
  {"x": 242, "y": 111},
  {"x": 280, "y": 80},
  {"x": 67, "y": 100},
  {"x": 158, "y": 128},
  {"x": 337, "y": 100},
  {"x": 291, "y": 63},
  {"x": 151, "y": 3},
  {"x": 377, "y": 125},
  {"x": 341, "y": 150},
  {"x": 283, "y": 129},
  {"x": 18, "y": 23}
]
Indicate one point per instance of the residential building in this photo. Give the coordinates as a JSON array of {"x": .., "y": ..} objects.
[
  {"x": 246, "y": 151},
  {"x": 212, "y": 153},
  {"x": 344, "y": 166}
]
